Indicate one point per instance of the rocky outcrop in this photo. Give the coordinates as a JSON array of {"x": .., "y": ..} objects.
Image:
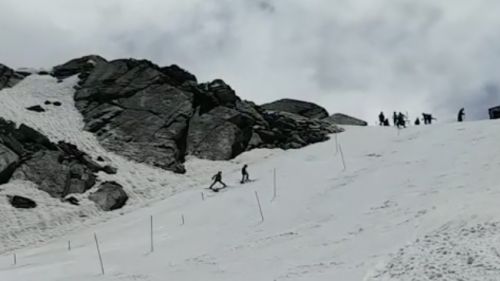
[
  {"x": 342, "y": 119},
  {"x": 158, "y": 115},
  {"x": 9, "y": 77},
  {"x": 110, "y": 196},
  {"x": 58, "y": 169},
  {"x": 302, "y": 108},
  {"x": 135, "y": 111},
  {"x": 81, "y": 66},
  {"x": 21, "y": 202}
]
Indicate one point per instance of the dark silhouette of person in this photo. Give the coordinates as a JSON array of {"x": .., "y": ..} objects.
[
  {"x": 417, "y": 122},
  {"x": 217, "y": 178},
  {"x": 395, "y": 118},
  {"x": 428, "y": 118},
  {"x": 386, "y": 122},
  {"x": 381, "y": 118},
  {"x": 401, "y": 122},
  {"x": 461, "y": 115},
  {"x": 244, "y": 174}
]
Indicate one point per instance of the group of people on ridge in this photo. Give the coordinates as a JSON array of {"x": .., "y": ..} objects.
[
  {"x": 400, "y": 120},
  {"x": 217, "y": 178}
]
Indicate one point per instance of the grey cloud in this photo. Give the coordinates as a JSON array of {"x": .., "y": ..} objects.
[{"x": 354, "y": 56}]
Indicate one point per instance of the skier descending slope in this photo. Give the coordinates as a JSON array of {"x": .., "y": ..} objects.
[
  {"x": 217, "y": 178},
  {"x": 244, "y": 174}
]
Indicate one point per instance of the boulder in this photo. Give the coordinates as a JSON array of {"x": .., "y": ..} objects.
[
  {"x": 9, "y": 77},
  {"x": 8, "y": 163},
  {"x": 58, "y": 169},
  {"x": 36, "y": 108},
  {"x": 302, "y": 108},
  {"x": 343, "y": 119},
  {"x": 81, "y": 65},
  {"x": 110, "y": 196},
  {"x": 21, "y": 202}
]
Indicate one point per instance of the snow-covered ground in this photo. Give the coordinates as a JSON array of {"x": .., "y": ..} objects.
[{"x": 421, "y": 204}]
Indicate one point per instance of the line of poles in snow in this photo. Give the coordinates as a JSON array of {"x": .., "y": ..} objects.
[
  {"x": 151, "y": 227},
  {"x": 338, "y": 151}
]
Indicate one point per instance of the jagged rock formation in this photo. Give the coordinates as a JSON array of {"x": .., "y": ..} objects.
[
  {"x": 342, "y": 119},
  {"x": 158, "y": 115},
  {"x": 81, "y": 65},
  {"x": 58, "y": 169},
  {"x": 9, "y": 77},
  {"x": 302, "y": 108},
  {"x": 110, "y": 196}
]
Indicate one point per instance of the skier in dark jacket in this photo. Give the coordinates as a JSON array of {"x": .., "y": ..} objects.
[
  {"x": 217, "y": 178},
  {"x": 417, "y": 122},
  {"x": 381, "y": 118},
  {"x": 244, "y": 174},
  {"x": 461, "y": 115},
  {"x": 395, "y": 118}
]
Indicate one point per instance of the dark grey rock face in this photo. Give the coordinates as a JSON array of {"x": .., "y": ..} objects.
[
  {"x": 110, "y": 196},
  {"x": 291, "y": 131},
  {"x": 81, "y": 65},
  {"x": 158, "y": 115},
  {"x": 135, "y": 112},
  {"x": 342, "y": 119},
  {"x": 9, "y": 77},
  {"x": 178, "y": 75},
  {"x": 21, "y": 202},
  {"x": 58, "y": 169},
  {"x": 302, "y": 108}
]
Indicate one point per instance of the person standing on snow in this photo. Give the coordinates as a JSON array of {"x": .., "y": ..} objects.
[
  {"x": 461, "y": 115},
  {"x": 217, "y": 178},
  {"x": 417, "y": 122},
  {"x": 395, "y": 118},
  {"x": 401, "y": 120},
  {"x": 244, "y": 174},
  {"x": 381, "y": 118}
]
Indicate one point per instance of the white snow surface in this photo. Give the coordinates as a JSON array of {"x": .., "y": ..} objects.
[{"x": 417, "y": 204}]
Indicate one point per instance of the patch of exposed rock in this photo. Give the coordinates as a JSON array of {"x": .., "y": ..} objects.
[
  {"x": 343, "y": 119},
  {"x": 9, "y": 78},
  {"x": 58, "y": 169}
]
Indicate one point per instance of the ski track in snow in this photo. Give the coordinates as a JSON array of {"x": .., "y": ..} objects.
[{"x": 412, "y": 205}]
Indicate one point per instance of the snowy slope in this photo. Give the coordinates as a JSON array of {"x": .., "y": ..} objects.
[{"x": 421, "y": 204}]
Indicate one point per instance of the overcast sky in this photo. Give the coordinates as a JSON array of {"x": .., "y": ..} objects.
[{"x": 351, "y": 56}]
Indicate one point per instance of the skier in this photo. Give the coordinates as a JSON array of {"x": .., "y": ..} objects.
[
  {"x": 395, "y": 118},
  {"x": 461, "y": 115},
  {"x": 417, "y": 122},
  {"x": 381, "y": 118},
  {"x": 244, "y": 174},
  {"x": 217, "y": 178},
  {"x": 386, "y": 122}
]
